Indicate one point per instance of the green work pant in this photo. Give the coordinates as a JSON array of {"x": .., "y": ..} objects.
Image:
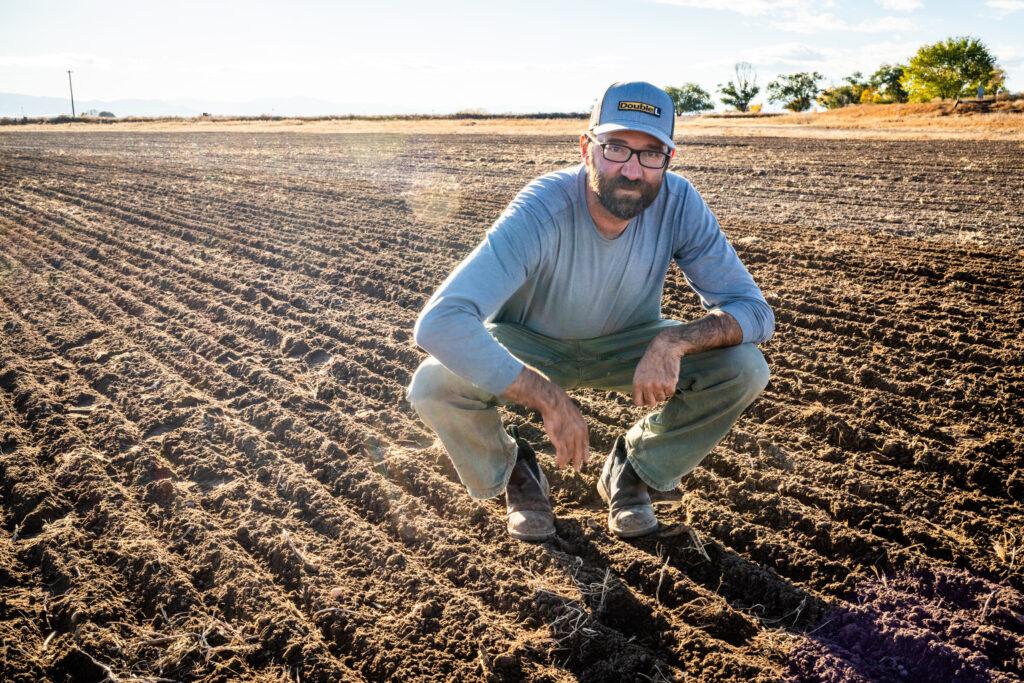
[{"x": 714, "y": 387}]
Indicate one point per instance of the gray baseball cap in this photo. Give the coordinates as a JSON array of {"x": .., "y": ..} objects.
[{"x": 637, "y": 106}]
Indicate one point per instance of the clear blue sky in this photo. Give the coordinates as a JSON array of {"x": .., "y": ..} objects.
[{"x": 529, "y": 55}]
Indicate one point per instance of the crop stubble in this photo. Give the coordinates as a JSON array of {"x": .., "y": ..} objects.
[{"x": 209, "y": 471}]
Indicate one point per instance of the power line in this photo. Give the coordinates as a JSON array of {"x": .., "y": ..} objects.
[{"x": 72, "y": 95}]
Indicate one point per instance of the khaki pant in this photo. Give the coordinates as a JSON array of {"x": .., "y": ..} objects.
[{"x": 714, "y": 388}]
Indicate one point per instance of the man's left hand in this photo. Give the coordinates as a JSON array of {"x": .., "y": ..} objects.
[{"x": 657, "y": 373}]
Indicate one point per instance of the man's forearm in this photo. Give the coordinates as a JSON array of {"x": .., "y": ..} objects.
[
  {"x": 533, "y": 390},
  {"x": 713, "y": 331}
]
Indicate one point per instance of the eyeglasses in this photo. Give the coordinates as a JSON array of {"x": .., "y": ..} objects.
[{"x": 620, "y": 154}]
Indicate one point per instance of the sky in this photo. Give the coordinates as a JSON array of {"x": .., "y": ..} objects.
[{"x": 450, "y": 55}]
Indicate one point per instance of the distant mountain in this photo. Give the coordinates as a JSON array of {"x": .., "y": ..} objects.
[{"x": 28, "y": 105}]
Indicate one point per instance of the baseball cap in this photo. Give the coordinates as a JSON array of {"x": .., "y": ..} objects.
[{"x": 636, "y": 105}]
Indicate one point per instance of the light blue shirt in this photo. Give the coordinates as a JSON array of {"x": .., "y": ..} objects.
[{"x": 544, "y": 265}]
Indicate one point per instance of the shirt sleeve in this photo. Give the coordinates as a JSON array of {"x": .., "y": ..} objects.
[
  {"x": 451, "y": 325},
  {"x": 714, "y": 271}
]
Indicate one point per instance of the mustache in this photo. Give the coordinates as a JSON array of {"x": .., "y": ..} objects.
[{"x": 627, "y": 184}]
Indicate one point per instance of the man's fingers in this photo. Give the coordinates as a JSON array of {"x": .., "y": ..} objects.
[
  {"x": 652, "y": 396},
  {"x": 581, "y": 454},
  {"x": 562, "y": 456}
]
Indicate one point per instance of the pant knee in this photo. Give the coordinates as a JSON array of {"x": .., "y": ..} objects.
[
  {"x": 752, "y": 368},
  {"x": 427, "y": 384}
]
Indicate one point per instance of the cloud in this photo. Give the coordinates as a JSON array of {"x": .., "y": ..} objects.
[
  {"x": 1005, "y": 6},
  {"x": 784, "y": 54},
  {"x": 834, "y": 62},
  {"x": 806, "y": 16},
  {"x": 818, "y": 22},
  {"x": 900, "y": 5},
  {"x": 750, "y": 8},
  {"x": 55, "y": 60}
]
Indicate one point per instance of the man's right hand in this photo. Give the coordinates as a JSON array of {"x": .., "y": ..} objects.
[{"x": 563, "y": 422}]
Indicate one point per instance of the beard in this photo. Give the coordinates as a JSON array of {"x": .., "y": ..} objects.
[{"x": 621, "y": 206}]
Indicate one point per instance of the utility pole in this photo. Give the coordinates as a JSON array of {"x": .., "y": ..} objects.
[{"x": 72, "y": 95}]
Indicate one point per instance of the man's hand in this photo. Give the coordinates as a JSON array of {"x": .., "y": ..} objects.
[
  {"x": 657, "y": 372},
  {"x": 563, "y": 422}
]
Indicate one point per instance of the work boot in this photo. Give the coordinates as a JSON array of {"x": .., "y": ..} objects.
[
  {"x": 630, "y": 512},
  {"x": 529, "y": 505}
]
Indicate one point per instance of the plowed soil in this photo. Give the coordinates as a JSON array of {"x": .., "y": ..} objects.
[{"x": 208, "y": 470}]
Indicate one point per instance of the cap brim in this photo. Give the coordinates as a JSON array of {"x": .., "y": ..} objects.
[{"x": 650, "y": 130}]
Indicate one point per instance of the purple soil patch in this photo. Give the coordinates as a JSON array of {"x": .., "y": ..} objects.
[{"x": 928, "y": 625}]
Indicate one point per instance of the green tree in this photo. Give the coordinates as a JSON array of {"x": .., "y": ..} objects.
[
  {"x": 887, "y": 81},
  {"x": 949, "y": 68},
  {"x": 740, "y": 92},
  {"x": 689, "y": 97},
  {"x": 795, "y": 91},
  {"x": 841, "y": 95}
]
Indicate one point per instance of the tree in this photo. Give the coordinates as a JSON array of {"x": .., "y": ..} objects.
[
  {"x": 740, "y": 92},
  {"x": 689, "y": 97},
  {"x": 795, "y": 91},
  {"x": 841, "y": 95},
  {"x": 949, "y": 68},
  {"x": 886, "y": 80}
]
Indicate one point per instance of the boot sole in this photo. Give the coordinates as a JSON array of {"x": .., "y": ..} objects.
[
  {"x": 531, "y": 538},
  {"x": 603, "y": 492}
]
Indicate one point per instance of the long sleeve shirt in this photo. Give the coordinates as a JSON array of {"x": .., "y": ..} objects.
[{"x": 544, "y": 265}]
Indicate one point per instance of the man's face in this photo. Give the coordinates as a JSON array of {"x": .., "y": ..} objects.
[{"x": 624, "y": 188}]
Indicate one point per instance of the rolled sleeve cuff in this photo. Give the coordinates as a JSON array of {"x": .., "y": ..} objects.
[{"x": 757, "y": 325}]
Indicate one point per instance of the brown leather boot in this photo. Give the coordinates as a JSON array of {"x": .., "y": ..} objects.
[
  {"x": 630, "y": 512},
  {"x": 527, "y": 496}
]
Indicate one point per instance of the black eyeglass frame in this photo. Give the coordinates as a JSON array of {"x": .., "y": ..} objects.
[{"x": 637, "y": 152}]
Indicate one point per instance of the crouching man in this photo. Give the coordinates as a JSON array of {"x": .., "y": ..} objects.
[{"x": 565, "y": 292}]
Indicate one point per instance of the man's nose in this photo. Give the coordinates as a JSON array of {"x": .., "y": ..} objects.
[{"x": 632, "y": 169}]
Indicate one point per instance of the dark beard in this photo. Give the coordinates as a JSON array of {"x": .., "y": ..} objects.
[{"x": 622, "y": 207}]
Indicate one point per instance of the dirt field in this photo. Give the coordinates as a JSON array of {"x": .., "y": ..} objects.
[{"x": 208, "y": 470}]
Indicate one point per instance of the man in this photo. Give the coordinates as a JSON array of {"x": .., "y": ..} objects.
[{"x": 565, "y": 292}]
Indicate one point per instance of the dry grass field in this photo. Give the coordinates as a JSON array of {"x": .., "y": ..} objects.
[{"x": 208, "y": 470}]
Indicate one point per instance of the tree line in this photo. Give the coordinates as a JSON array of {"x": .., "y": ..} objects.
[{"x": 955, "y": 67}]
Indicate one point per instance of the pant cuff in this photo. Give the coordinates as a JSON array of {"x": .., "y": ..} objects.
[
  {"x": 647, "y": 478},
  {"x": 485, "y": 494}
]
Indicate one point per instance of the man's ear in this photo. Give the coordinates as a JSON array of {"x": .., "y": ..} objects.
[{"x": 584, "y": 147}]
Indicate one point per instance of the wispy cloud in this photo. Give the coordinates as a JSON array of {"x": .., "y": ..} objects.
[
  {"x": 834, "y": 62},
  {"x": 750, "y": 8},
  {"x": 1005, "y": 6},
  {"x": 55, "y": 60},
  {"x": 806, "y": 16},
  {"x": 900, "y": 5},
  {"x": 790, "y": 55},
  {"x": 819, "y": 22}
]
